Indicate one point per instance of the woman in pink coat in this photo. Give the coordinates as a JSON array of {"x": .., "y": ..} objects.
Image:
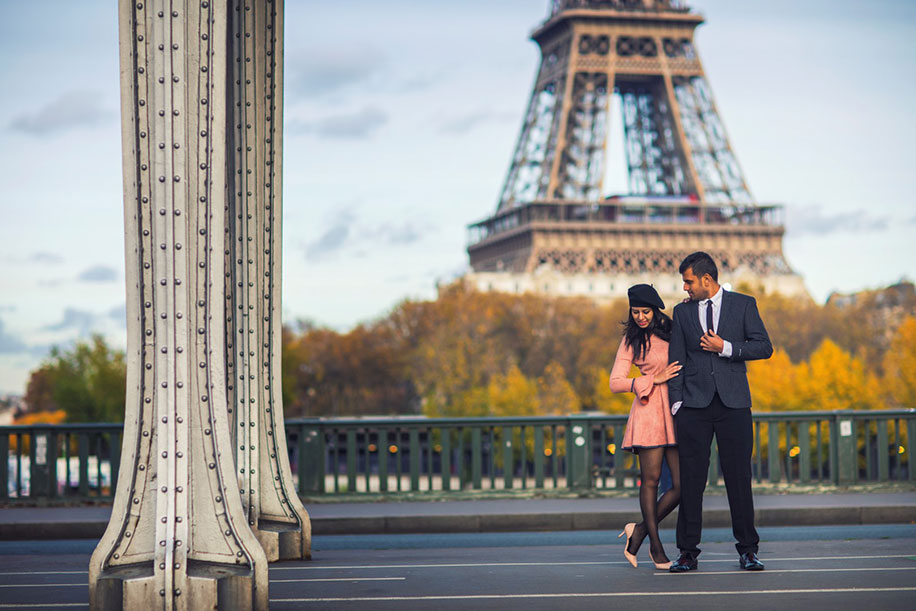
[{"x": 650, "y": 428}]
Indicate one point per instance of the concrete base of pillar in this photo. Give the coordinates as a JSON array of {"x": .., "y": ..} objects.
[
  {"x": 283, "y": 541},
  {"x": 209, "y": 586}
]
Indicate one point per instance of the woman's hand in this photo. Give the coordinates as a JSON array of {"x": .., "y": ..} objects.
[{"x": 667, "y": 373}]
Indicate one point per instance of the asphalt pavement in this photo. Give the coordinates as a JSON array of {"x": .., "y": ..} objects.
[{"x": 812, "y": 568}]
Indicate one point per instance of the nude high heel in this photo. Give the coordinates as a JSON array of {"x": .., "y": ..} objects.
[
  {"x": 663, "y": 566},
  {"x": 628, "y": 531}
]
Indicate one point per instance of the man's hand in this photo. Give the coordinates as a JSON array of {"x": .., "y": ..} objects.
[{"x": 712, "y": 342}]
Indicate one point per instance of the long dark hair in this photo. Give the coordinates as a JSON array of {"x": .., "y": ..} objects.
[{"x": 638, "y": 339}]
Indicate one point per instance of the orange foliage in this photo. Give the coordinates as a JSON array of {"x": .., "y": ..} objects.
[
  {"x": 55, "y": 417},
  {"x": 478, "y": 354}
]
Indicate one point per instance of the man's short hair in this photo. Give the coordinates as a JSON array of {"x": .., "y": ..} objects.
[{"x": 701, "y": 264}]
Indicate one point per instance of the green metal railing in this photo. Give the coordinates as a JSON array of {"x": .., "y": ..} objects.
[
  {"x": 44, "y": 460},
  {"x": 395, "y": 455}
]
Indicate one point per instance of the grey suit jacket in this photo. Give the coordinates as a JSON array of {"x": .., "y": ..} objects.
[{"x": 705, "y": 373}]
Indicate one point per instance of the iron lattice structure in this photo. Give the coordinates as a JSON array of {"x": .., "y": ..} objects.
[{"x": 686, "y": 189}]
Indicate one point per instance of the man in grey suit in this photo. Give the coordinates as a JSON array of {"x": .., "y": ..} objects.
[{"x": 714, "y": 333}]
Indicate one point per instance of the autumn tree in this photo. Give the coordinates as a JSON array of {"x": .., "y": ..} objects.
[
  {"x": 604, "y": 399},
  {"x": 774, "y": 385},
  {"x": 512, "y": 394},
  {"x": 464, "y": 352},
  {"x": 833, "y": 379},
  {"x": 796, "y": 324},
  {"x": 331, "y": 374},
  {"x": 555, "y": 393},
  {"x": 899, "y": 381}
]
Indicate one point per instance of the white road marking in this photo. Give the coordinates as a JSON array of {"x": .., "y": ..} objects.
[
  {"x": 871, "y": 568},
  {"x": 608, "y": 562},
  {"x": 46, "y": 573},
  {"x": 41, "y": 605},
  {"x": 433, "y": 566},
  {"x": 592, "y": 595},
  {"x": 347, "y": 579},
  {"x": 43, "y": 585}
]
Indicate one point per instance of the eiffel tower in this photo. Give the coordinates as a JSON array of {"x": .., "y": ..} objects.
[{"x": 554, "y": 230}]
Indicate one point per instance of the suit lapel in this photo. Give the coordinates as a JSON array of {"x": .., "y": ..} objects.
[
  {"x": 724, "y": 311},
  {"x": 694, "y": 313}
]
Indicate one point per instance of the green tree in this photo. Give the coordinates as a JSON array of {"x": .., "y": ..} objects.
[{"x": 87, "y": 382}]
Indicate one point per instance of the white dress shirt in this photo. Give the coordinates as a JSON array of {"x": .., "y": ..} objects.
[{"x": 716, "y": 312}]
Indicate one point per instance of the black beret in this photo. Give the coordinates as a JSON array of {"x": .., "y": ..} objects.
[{"x": 644, "y": 296}]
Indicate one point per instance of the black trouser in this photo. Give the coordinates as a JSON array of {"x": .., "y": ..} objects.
[{"x": 733, "y": 429}]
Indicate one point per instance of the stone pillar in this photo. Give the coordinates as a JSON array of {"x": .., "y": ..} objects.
[
  {"x": 179, "y": 537},
  {"x": 253, "y": 253}
]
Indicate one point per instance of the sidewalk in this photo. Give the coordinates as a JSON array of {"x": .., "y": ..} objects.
[{"x": 490, "y": 515}]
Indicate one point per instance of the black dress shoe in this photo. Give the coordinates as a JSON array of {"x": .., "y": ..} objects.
[
  {"x": 750, "y": 562},
  {"x": 685, "y": 562}
]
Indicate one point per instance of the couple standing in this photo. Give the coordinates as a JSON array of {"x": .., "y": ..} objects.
[{"x": 693, "y": 385}]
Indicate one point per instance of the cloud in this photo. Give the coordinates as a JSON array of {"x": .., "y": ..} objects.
[
  {"x": 10, "y": 344},
  {"x": 466, "y": 123},
  {"x": 418, "y": 82},
  {"x": 406, "y": 233},
  {"x": 81, "y": 320},
  {"x": 813, "y": 221},
  {"x": 98, "y": 273},
  {"x": 344, "y": 230},
  {"x": 48, "y": 258},
  {"x": 353, "y": 125},
  {"x": 320, "y": 72},
  {"x": 71, "y": 110},
  {"x": 118, "y": 313},
  {"x": 330, "y": 74},
  {"x": 333, "y": 239}
]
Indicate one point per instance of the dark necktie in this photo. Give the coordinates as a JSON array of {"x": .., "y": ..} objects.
[{"x": 709, "y": 316}]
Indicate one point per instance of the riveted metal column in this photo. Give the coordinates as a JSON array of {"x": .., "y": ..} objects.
[
  {"x": 177, "y": 538},
  {"x": 253, "y": 250}
]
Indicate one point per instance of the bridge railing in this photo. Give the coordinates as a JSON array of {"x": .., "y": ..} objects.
[
  {"x": 59, "y": 460},
  {"x": 421, "y": 455}
]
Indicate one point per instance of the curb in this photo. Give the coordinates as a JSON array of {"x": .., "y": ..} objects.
[{"x": 527, "y": 522}]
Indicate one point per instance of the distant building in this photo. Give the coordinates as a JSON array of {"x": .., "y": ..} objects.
[
  {"x": 895, "y": 298},
  {"x": 10, "y": 407},
  {"x": 886, "y": 306}
]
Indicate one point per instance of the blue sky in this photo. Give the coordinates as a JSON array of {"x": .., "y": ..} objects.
[{"x": 401, "y": 117}]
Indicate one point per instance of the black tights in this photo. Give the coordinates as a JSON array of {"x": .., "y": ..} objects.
[{"x": 655, "y": 509}]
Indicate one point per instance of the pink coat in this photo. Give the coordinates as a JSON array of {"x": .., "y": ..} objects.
[{"x": 650, "y": 424}]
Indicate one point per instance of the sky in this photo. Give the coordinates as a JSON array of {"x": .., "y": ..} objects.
[{"x": 400, "y": 120}]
